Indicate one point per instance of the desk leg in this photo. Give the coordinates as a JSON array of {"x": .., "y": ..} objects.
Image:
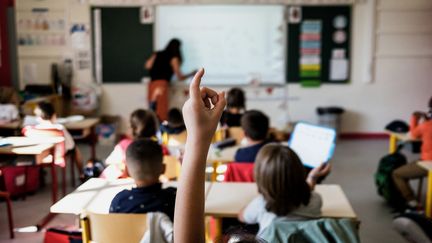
[
  {"x": 392, "y": 144},
  {"x": 93, "y": 141},
  {"x": 54, "y": 179},
  {"x": 429, "y": 195},
  {"x": 215, "y": 166}
]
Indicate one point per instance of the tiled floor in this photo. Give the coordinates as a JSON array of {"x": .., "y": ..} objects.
[{"x": 354, "y": 163}]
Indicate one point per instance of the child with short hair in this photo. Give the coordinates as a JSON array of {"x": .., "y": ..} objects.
[
  {"x": 235, "y": 108},
  {"x": 255, "y": 125},
  {"x": 285, "y": 188},
  {"x": 47, "y": 119},
  {"x": 144, "y": 160},
  {"x": 143, "y": 124},
  {"x": 403, "y": 174},
  {"x": 174, "y": 124}
]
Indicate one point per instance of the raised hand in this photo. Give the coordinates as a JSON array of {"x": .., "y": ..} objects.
[{"x": 202, "y": 110}]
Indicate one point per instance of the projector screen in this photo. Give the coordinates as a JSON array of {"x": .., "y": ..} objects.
[{"x": 236, "y": 45}]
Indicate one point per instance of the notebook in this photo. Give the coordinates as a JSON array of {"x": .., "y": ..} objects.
[{"x": 313, "y": 144}]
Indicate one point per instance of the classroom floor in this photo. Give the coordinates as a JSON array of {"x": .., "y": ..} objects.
[{"x": 354, "y": 164}]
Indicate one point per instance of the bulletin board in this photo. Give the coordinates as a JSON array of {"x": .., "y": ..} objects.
[
  {"x": 126, "y": 42},
  {"x": 318, "y": 45}
]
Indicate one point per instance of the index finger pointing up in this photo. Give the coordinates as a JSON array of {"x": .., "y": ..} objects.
[{"x": 194, "y": 88}]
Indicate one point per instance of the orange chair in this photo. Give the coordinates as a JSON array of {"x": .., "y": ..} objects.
[
  {"x": 6, "y": 196},
  {"x": 239, "y": 172}
]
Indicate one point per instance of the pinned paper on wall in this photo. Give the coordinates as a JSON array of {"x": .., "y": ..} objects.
[
  {"x": 30, "y": 73},
  {"x": 79, "y": 36},
  {"x": 147, "y": 15},
  {"x": 338, "y": 69},
  {"x": 295, "y": 15},
  {"x": 82, "y": 58}
]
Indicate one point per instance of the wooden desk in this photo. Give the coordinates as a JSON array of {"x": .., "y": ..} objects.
[
  {"x": 217, "y": 157},
  {"x": 40, "y": 149},
  {"x": 96, "y": 195},
  {"x": 428, "y": 166},
  {"x": 226, "y": 199},
  {"x": 85, "y": 130}
]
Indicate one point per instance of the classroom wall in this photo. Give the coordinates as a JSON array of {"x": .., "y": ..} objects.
[{"x": 398, "y": 67}]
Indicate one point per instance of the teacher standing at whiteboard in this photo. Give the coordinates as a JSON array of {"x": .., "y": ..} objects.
[{"x": 162, "y": 65}]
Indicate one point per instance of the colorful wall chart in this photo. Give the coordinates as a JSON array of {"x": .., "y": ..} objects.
[{"x": 319, "y": 40}]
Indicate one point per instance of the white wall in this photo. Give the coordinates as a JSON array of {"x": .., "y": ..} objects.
[{"x": 401, "y": 72}]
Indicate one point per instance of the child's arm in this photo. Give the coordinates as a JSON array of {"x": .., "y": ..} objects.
[
  {"x": 415, "y": 128},
  {"x": 201, "y": 121}
]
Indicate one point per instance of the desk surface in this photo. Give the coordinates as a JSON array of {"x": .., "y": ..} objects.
[
  {"x": 84, "y": 124},
  {"x": 426, "y": 164},
  {"x": 224, "y": 155},
  {"x": 28, "y": 146},
  {"x": 227, "y": 200},
  {"x": 223, "y": 199},
  {"x": 96, "y": 195},
  {"x": 406, "y": 137}
]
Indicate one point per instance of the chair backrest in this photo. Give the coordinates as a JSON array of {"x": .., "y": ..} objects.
[
  {"x": 237, "y": 133},
  {"x": 118, "y": 227},
  {"x": 36, "y": 132},
  {"x": 239, "y": 172},
  {"x": 177, "y": 139},
  {"x": 172, "y": 167}
]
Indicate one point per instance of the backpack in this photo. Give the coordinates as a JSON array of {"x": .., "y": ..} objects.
[{"x": 384, "y": 181}]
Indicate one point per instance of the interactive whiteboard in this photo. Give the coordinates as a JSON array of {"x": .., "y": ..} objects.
[
  {"x": 235, "y": 44},
  {"x": 313, "y": 144}
]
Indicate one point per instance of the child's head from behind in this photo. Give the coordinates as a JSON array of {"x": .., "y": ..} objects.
[
  {"x": 281, "y": 179},
  {"x": 144, "y": 124},
  {"x": 175, "y": 118},
  {"x": 45, "y": 111},
  {"x": 144, "y": 160},
  {"x": 255, "y": 125},
  {"x": 236, "y": 99}
]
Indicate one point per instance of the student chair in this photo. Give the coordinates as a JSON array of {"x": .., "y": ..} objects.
[
  {"x": 6, "y": 196},
  {"x": 237, "y": 133},
  {"x": 113, "y": 228},
  {"x": 172, "y": 167},
  {"x": 177, "y": 139},
  {"x": 239, "y": 172},
  {"x": 60, "y": 151}
]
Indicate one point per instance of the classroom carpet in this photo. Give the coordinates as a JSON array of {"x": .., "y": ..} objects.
[{"x": 353, "y": 166}]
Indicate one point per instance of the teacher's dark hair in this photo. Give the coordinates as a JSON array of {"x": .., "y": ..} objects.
[{"x": 173, "y": 49}]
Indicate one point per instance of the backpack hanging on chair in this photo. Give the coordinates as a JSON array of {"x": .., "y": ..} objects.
[{"x": 384, "y": 181}]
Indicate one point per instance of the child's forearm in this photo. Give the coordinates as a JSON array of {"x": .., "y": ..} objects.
[{"x": 191, "y": 190}]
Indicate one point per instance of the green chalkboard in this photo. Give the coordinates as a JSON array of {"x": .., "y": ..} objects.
[
  {"x": 126, "y": 43},
  {"x": 325, "y": 16}
]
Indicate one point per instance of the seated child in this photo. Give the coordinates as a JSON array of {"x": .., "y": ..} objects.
[
  {"x": 255, "y": 125},
  {"x": 403, "y": 174},
  {"x": 286, "y": 190},
  {"x": 235, "y": 108},
  {"x": 143, "y": 124},
  {"x": 144, "y": 164},
  {"x": 47, "y": 119},
  {"x": 175, "y": 123}
]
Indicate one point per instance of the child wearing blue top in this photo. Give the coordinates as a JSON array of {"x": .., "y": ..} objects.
[
  {"x": 256, "y": 126},
  {"x": 144, "y": 160}
]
